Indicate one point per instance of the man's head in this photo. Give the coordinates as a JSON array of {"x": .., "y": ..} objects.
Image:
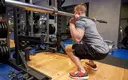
[{"x": 80, "y": 9}]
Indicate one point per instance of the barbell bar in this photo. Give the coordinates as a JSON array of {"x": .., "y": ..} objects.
[
  {"x": 41, "y": 9},
  {"x": 36, "y": 8}
]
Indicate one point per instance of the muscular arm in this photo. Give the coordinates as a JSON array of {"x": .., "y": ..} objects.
[{"x": 76, "y": 33}]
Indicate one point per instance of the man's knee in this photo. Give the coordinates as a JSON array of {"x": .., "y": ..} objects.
[{"x": 68, "y": 48}]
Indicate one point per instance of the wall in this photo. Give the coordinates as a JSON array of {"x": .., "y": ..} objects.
[{"x": 108, "y": 10}]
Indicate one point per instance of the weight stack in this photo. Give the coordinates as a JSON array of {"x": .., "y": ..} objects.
[{"x": 4, "y": 40}]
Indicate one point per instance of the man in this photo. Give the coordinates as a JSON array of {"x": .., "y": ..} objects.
[{"x": 88, "y": 42}]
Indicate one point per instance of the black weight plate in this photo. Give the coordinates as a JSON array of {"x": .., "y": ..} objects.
[
  {"x": 6, "y": 29},
  {"x": 4, "y": 42},
  {"x": 0, "y": 29},
  {"x": 3, "y": 31},
  {"x": 5, "y": 54},
  {"x": 2, "y": 54},
  {"x": 0, "y": 42},
  {"x": 51, "y": 29},
  {"x": 8, "y": 54},
  {"x": 1, "y": 51}
]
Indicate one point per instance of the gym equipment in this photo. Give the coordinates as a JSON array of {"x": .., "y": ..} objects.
[
  {"x": 3, "y": 42},
  {"x": 3, "y": 30},
  {"x": 125, "y": 42},
  {"x": 36, "y": 8},
  {"x": 36, "y": 16},
  {"x": 126, "y": 30},
  {"x": 4, "y": 49},
  {"x": 51, "y": 29},
  {"x": 4, "y": 54}
]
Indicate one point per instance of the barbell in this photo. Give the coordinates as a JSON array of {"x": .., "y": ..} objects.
[{"x": 41, "y": 9}]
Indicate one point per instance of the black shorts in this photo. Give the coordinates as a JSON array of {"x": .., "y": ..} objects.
[{"x": 85, "y": 51}]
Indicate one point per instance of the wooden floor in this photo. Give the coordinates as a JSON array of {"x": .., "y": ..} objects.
[{"x": 57, "y": 66}]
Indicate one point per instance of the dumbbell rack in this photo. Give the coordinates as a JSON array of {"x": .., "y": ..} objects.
[{"x": 18, "y": 62}]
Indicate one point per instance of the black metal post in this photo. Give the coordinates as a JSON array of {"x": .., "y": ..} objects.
[{"x": 16, "y": 40}]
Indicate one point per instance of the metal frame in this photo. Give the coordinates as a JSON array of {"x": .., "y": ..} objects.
[
  {"x": 16, "y": 14},
  {"x": 19, "y": 62},
  {"x": 31, "y": 19}
]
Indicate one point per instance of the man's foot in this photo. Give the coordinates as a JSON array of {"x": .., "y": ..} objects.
[
  {"x": 92, "y": 66},
  {"x": 78, "y": 75}
]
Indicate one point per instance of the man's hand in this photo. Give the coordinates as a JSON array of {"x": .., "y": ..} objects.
[
  {"x": 74, "y": 19},
  {"x": 77, "y": 16}
]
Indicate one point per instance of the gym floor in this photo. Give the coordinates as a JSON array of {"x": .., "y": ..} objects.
[{"x": 52, "y": 63}]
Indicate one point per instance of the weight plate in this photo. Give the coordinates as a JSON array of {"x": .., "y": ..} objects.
[
  {"x": 5, "y": 29},
  {"x": 0, "y": 29},
  {"x": 8, "y": 54},
  {"x": 4, "y": 53},
  {"x": 0, "y": 55},
  {"x": 2, "y": 32}
]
